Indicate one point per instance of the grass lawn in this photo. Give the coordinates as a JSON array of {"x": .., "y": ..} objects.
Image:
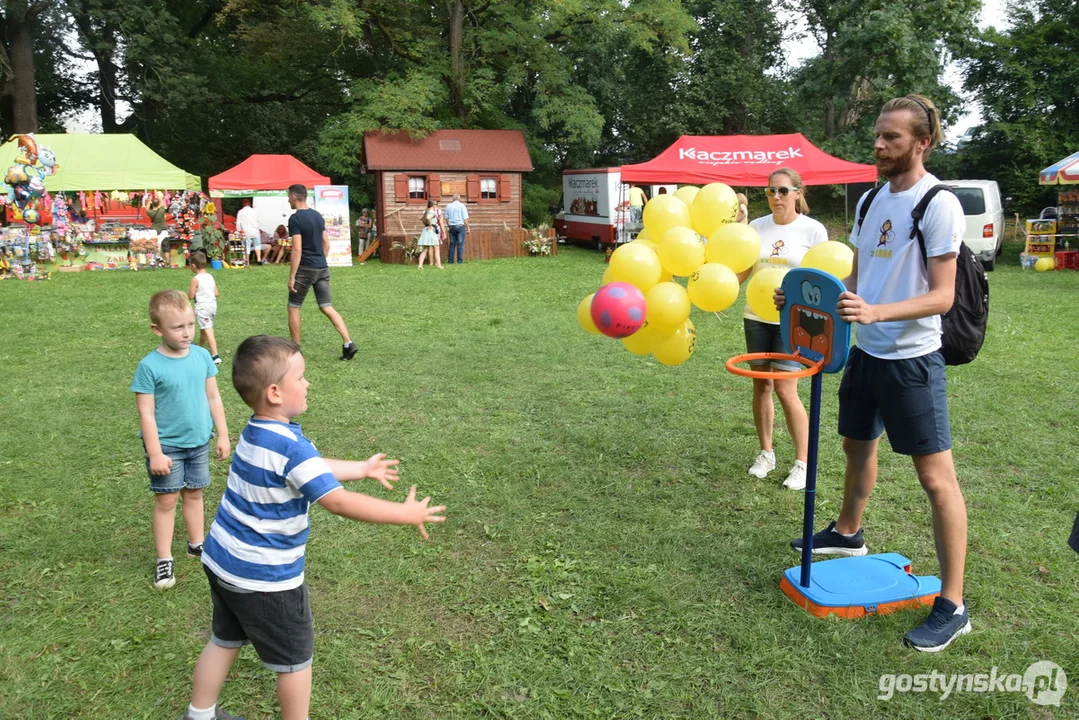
[{"x": 605, "y": 554}]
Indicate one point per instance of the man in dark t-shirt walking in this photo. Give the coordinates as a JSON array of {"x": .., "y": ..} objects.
[{"x": 310, "y": 244}]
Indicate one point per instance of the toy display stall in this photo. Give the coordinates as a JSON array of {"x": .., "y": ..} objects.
[
  {"x": 89, "y": 195},
  {"x": 1055, "y": 238}
]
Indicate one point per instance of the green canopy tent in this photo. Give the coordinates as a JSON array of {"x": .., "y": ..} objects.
[{"x": 105, "y": 162}]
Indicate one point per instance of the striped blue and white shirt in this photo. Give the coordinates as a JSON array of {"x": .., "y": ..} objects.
[{"x": 258, "y": 537}]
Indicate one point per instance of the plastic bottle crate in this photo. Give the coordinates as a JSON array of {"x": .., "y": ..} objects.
[{"x": 1067, "y": 260}]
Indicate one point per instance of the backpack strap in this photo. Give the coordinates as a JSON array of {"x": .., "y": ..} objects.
[
  {"x": 919, "y": 212},
  {"x": 865, "y": 206}
]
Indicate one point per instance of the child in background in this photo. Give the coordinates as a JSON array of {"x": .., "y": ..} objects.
[
  {"x": 255, "y": 552},
  {"x": 203, "y": 292},
  {"x": 743, "y": 209},
  {"x": 279, "y": 245},
  {"x": 176, "y": 394}
]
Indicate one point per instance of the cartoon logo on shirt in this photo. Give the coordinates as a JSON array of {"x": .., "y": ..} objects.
[
  {"x": 779, "y": 249},
  {"x": 886, "y": 236}
]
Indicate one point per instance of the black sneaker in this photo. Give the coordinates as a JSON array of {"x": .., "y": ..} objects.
[
  {"x": 194, "y": 551},
  {"x": 219, "y": 714},
  {"x": 830, "y": 542},
  {"x": 940, "y": 628},
  {"x": 163, "y": 577},
  {"x": 349, "y": 351}
]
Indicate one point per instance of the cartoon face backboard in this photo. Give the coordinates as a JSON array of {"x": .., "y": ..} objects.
[{"x": 809, "y": 323}]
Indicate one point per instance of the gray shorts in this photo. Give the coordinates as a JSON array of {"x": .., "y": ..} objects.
[
  {"x": 907, "y": 398},
  {"x": 277, "y": 624},
  {"x": 764, "y": 337},
  {"x": 306, "y": 278}
]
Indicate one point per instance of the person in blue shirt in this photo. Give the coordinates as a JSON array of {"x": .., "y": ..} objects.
[
  {"x": 457, "y": 219},
  {"x": 179, "y": 405},
  {"x": 310, "y": 243},
  {"x": 255, "y": 552}
]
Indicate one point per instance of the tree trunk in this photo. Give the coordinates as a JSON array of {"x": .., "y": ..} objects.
[
  {"x": 23, "y": 83},
  {"x": 456, "y": 12}
]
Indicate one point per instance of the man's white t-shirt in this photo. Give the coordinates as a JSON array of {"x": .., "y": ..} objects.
[
  {"x": 785, "y": 245},
  {"x": 247, "y": 221},
  {"x": 891, "y": 267}
]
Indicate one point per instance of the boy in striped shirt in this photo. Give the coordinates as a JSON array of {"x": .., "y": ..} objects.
[{"x": 254, "y": 554}]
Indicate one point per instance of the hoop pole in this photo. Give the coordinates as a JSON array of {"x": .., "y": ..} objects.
[{"x": 811, "y": 480}]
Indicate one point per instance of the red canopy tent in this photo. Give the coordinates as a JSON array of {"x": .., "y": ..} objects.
[
  {"x": 264, "y": 175},
  {"x": 745, "y": 160}
]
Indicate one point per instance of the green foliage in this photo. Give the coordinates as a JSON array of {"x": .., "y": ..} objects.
[{"x": 1026, "y": 80}]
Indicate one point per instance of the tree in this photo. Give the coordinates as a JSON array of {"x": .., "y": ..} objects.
[
  {"x": 20, "y": 24},
  {"x": 1026, "y": 80},
  {"x": 871, "y": 51}
]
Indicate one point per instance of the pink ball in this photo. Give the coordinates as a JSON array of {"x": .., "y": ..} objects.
[{"x": 618, "y": 309}]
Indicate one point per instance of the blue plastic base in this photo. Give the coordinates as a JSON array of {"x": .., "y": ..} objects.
[{"x": 852, "y": 587}]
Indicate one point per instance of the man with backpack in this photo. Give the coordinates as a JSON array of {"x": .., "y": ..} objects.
[{"x": 894, "y": 380}]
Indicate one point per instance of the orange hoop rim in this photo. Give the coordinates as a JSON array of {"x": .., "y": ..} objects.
[{"x": 812, "y": 366}]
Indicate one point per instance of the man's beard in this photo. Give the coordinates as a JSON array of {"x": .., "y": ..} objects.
[{"x": 892, "y": 166}]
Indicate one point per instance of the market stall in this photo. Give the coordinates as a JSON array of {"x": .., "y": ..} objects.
[
  {"x": 1051, "y": 238},
  {"x": 90, "y": 211},
  {"x": 266, "y": 179}
]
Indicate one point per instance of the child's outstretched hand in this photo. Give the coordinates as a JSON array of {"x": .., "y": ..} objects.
[
  {"x": 420, "y": 513},
  {"x": 383, "y": 470},
  {"x": 223, "y": 447}
]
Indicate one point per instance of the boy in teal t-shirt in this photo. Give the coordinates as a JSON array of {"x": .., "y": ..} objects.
[{"x": 176, "y": 394}]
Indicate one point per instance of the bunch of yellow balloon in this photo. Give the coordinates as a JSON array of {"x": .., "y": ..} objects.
[{"x": 672, "y": 245}]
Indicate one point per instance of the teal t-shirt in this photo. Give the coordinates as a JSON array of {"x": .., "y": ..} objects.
[{"x": 178, "y": 385}]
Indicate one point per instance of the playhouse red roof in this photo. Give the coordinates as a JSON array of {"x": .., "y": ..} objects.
[
  {"x": 746, "y": 160},
  {"x": 464, "y": 150}
]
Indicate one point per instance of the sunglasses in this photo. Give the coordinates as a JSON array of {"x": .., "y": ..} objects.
[{"x": 781, "y": 191}]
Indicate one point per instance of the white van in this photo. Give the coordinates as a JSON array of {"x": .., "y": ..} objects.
[{"x": 984, "y": 209}]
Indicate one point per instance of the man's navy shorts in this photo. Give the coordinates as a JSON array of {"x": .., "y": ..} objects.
[{"x": 907, "y": 398}]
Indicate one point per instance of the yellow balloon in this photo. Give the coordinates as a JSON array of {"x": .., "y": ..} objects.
[
  {"x": 713, "y": 288},
  {"x": 584, "y": 315},
  {"x": 643, "y": 236},
  {"x": 761, "y": 288},
  {"x": 606, "y": 277},
  {"x": 664, "y": 212},
  {"x": 640, "y": 342},
  {"x": 713, "y": 206},
  {"x": 1044, "y": 264},
  {"x": 668, "y": 306},
  {"x": 637, "y": 264},
  {"x": 681, "y": 251},
  {"x": 686, "y": 193},
  {"x": 832, "y": 257},
  {"x": 666, "y": 277},
  {"x": 735, "y": 245},
  {"x": 676, "y": 347}
]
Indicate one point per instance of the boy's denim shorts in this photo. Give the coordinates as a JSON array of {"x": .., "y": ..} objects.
[
  {"x": 278, "y": 624},
  {"x": 907, "y": 398},
  {"x": 190, "y": 469}
]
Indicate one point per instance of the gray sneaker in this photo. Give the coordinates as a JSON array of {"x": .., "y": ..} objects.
[{"x": 219, "y": 714}]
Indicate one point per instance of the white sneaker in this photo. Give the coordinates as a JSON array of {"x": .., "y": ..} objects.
[
  {"x": 796, "y": 479},
  {"x": 762, "y": 466}
]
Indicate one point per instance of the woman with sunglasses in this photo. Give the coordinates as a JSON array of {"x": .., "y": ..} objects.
[{"x": 786, "y": 236}]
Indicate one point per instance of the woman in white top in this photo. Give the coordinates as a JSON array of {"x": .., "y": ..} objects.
[{"x": 786, "y": 236}]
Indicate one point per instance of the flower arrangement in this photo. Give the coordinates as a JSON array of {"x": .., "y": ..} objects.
[
  {"x": 411, "y": 249},
  {"x": 537, "y": 242}
]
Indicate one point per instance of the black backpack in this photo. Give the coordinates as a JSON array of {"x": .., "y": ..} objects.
[{"x": 963, "y": 326}]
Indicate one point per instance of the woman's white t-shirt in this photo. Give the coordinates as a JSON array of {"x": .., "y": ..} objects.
[
  {"x": 204, "y": 292},
  {"x": 785, "y": 245}
]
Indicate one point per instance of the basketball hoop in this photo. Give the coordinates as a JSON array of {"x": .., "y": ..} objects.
[{"x": 812, "y": 366}]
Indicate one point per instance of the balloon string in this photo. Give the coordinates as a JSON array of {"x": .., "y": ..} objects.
[{"x": 720, "y": 315}]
